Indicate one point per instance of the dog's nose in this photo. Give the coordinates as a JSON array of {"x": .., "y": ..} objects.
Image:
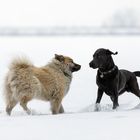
[
  {"x": 78, "y": 66},
  {"x": 90, "y": 64}
]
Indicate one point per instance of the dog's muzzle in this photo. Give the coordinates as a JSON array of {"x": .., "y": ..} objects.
[
  {"x": 92, "y": 65},
  {"x": 76, "y": 67}
]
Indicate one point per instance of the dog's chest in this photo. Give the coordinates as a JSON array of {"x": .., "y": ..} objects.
[
  {"x": 67, "y": 85},
  {"x": 63, "y": 82},
  {"x": 107, "y": 85}
]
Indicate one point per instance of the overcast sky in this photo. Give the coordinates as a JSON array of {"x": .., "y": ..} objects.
[{"x": 61, "y": 12}]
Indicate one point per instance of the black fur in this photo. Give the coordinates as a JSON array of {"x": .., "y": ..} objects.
[{"x": 110, "y": 79}]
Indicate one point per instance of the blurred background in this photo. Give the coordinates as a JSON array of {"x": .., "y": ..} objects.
[{"x": 69, "y": 17}]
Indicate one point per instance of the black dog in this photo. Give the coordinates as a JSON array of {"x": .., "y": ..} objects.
[{"x": 110, "y": 79}]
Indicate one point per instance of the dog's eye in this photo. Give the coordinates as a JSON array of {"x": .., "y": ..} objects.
[
  {"x": 72, "y": 61},
  {"x": 98, "y": 56}
]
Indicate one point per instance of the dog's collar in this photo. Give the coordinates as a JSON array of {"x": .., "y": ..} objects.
[{"x": 107, "y": 72}]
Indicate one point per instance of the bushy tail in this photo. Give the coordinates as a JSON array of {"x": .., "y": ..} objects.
[
  {"x": 20, "y": 63},
  {"x": 137, "y": 73},
  {"x": 19, "y": 77}
]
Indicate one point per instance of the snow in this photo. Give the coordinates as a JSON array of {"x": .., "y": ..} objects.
[{"x": 79, "y": 122}]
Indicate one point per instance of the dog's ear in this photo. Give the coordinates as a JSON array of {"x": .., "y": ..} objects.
[
  {"x": 59, "y": 57},
  {"x": 110, "y": 52}
]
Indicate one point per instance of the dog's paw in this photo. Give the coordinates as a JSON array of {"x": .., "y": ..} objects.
[
  {"x": 97, "y": 107},
  {"x": 31, "y": 112},
  {"x": 116, "y": 109}
]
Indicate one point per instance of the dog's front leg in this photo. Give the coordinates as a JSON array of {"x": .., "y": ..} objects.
[
  {"x": 99, "y": 97},
  {"x": 56, "y": 106},
  {"x": 115, "y": 100},
  {"x": 61, "y": 110}
]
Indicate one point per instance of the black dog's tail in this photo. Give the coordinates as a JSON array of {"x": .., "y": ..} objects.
[{"x": 137, "y": 73}]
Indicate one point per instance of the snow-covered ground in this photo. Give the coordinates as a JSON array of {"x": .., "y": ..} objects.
[{"x": 79, "y": 122}]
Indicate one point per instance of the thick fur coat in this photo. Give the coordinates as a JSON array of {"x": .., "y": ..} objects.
[{"x": 25, "y": 82}]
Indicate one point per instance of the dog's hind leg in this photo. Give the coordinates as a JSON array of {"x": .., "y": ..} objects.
[
  {"x": 12, "y": 103},
  {"x": 134, "y": 87},
  {"x": 136, "y": 92},
  {"x": 23, "y": 103}
]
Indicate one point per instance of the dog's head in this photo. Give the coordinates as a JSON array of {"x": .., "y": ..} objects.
[
  {"x": 68, "y": 62},
  {"x": 101, "y": 58}
]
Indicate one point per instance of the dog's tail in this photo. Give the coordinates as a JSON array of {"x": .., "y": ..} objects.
[
  {"x": 18, "y": 79},
  {"x": 20, "y": 63},
  {"x": 137, "y": 73}
]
